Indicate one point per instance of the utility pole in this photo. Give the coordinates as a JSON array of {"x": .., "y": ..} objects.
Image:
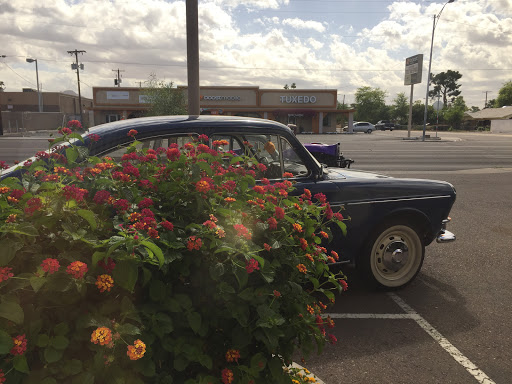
[
  {"x": 1, "y": 126},
  {"x": 78, "y": 67},
  {"x": 117, "y": 81},
  {"x": 486, "y": 92},
  {"x": 192, "y": 57}
]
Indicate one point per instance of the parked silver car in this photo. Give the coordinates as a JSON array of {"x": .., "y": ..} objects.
[{"x": 364, "y": 126}]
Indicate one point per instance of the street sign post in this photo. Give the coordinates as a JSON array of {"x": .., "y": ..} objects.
[{"x": 413, "y": 71}]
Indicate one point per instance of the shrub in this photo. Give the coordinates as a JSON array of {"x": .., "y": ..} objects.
[{"x": 170, "y": 266}]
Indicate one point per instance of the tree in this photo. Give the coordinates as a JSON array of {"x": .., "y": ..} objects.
[
  {"x": 293, "y": 86},
  {"x": 454, "y": 114},
  {"x": 474, "y": 109},
  {"x": 163, "y": 98},
  {"x": 286, "y": 86},
  {"x": 504, "y": 95},
  {"x": 445, "y": 83},
  {"x": 400, "y": 108},
  {"x": 370, "y": 104},
  {"x": 418, "y": 112},
  {"x": 2, "y": 86},
  {"x": 491, "y": 103}
]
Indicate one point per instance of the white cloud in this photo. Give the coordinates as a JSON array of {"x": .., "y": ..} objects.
[
  {"x": 249, "y": 46},
  {"x": 304, "y": 24}
]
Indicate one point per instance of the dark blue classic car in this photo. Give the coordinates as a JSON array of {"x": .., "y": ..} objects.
[{"x": 392, "y": 219}]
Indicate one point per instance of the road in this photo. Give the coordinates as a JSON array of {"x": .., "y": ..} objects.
[{"x": 452, "y": 324}]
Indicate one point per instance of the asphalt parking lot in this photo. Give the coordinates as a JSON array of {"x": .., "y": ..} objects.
[{"x": 452, "y": 324}]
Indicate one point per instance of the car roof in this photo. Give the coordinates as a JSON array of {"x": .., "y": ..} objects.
[{"x": 187, "y": 124}]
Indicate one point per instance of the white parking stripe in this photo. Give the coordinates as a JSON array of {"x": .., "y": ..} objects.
[
  {"x": 411, "y": 314},
  {"x": 472, "y": 369}
]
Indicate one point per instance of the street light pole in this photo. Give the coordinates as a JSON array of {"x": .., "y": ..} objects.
[
  {"x": 37, "y": 79},
  {"x": 430, "y": 66}
]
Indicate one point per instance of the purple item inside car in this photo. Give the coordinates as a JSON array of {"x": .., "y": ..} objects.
[{"x": 331, "y": 149}]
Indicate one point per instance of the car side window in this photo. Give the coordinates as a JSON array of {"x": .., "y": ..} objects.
[
  {"x": 273, "y": 151},
  {"x": 292, "y": 163},
  {"x": 151, "y": 143}
]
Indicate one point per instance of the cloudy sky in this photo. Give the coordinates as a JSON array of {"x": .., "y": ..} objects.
[{"x": 317, "y": 44}]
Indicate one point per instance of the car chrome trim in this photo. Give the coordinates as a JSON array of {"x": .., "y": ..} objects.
[
  {"x": 445, "y": 237},
  {"x": 395, "y": 200}
]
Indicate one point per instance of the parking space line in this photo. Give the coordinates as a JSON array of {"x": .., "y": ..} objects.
[
  {"x": 411, "y": 314},
  {"x": 472, "y": 369}
]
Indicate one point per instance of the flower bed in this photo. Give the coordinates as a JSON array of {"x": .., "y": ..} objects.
[{"x": 170, "y": 266}]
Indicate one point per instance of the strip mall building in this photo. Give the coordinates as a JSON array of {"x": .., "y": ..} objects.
[{"x": 311, "y": 110}]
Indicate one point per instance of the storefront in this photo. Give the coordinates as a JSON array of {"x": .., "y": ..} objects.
[{"x": 311, "y": 110}]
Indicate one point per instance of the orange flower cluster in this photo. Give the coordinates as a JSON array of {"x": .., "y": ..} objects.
[
  {"x": 137, "y": 350},
  {"x": 104, "y": 283},
  {"x": 20, "y": 345},
  {"x": 102, "y": 336},
  {"x": 227, "y": 376},
  {"x": 232, "y": 355},
  {"x": 77, "y": 269},
  {"x": 302, "y": 268}
]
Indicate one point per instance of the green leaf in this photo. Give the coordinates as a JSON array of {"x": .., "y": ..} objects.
[
  {"x": 89, "y": 217},
  {"x": 72, "y": 367},
  {"x": 236, "y": 159},
  {"x": 20, "y": 364},
  {"x": 194, "y": 320},
  {"x": 51, "y": 355},
  {"x": 42, "y": 340},
  {"x": 6, "y": 343},
  {"x": 156, "y": 250},
  {"x": 258, "y": 362},
  {"x": 128, "y": 329},
  {"x": 125, "y": 274},
  {"x": 84, "y": 378},
  {"x": 216, "y": 271},
  {"x": 61, "y": 329},
  {"x": 11, "y": 311},
  {"x": 59, "y": 342},
  {"x": 241, "y": 275},
  {"x": 206, "y": 167},
  {"x": 8, "y": 251},
  {"x": 206, "y": 361},
  {"x": 22, "y": 229},
  {"x": 37, "y": 282},
  {"x": 343, "y": 227},
  {"x": 71, "y": 154},
  {"x": 98, "y": 256}
]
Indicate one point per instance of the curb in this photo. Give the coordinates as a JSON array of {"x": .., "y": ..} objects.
[{"x": 307, "y": 373}]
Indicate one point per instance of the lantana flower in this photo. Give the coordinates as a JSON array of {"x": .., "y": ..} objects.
[
  {"x": 232, "y": 355},
  {"x": 137, "y": 350},
  {"x": 102, "y": 336},
  {"x": 251, "y": 265},
  {"x": 5, "y": 273},
  {"x": 104, "y": 283},
  {"x": 20, "y": 345},
  {"x": 50, "y": 265},
  {"x": 77, "y": 269},
  {"x": 227, "y": 376}
]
